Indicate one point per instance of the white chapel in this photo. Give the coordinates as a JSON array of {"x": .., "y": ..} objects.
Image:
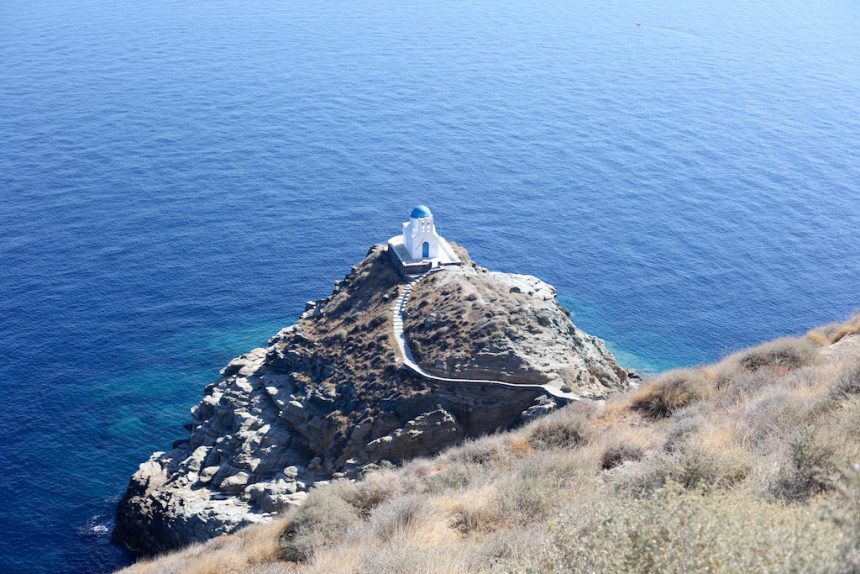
[{"x": 419, "y": 245}]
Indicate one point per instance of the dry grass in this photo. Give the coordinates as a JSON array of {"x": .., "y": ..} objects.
[
  {"x": 615, "y": 446},
  {"x": 677, "y": 530},
  {"x": 672, "y": 391},
  {"x": 808, "y": 468},
  {"x": 473, "y": 510},
  {"x": 520, "y": 446},
  {"x": 835, "y": 332},
  {"x": 565, "y": 430},
  {"x": 325, "y": 516},
  {"x": 785, "y": 353},
  {"x": 846, "y": 383},
  {"x": 749, "y": 465},
  {"x": 234, "y": 554}
]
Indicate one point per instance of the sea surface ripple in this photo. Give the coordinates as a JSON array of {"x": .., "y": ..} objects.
[{"x": 177, "y": 178}]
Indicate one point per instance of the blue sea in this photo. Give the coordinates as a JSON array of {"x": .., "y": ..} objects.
[{"x": 178, "y": 177}]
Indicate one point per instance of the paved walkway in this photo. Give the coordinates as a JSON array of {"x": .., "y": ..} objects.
[{"x": 410, "y": 362}]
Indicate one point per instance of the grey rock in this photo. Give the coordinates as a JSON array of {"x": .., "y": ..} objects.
[
  {"x": 236, "y": 483},
  {"x": 430, "y": 432},
  {"x": 538, "y": 410}
]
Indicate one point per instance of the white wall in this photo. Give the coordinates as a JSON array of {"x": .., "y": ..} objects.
[{"x": 416, "y": 232}]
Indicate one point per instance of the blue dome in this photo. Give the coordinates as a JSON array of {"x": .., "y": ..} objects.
[{"x": 420, "y": 212}]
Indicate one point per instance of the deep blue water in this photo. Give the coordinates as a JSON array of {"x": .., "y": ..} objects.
[{"x": 177, "y": 178}]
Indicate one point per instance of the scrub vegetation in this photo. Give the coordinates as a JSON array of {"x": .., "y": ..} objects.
[{"x": 748, "y": 465}]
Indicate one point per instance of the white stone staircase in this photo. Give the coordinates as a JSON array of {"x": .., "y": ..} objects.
[{"x": 397, "y": 313}]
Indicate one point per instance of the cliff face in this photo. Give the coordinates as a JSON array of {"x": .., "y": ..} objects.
[{"x": 327, "y": 397}]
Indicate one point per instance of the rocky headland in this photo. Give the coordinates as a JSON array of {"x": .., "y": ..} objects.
[{"x": 328, "y": 397}]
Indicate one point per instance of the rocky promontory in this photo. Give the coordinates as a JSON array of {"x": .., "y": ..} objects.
[{"x": 328, "y": 397}]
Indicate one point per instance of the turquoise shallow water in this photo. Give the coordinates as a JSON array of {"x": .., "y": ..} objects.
[{"x": 177, "y": 178}]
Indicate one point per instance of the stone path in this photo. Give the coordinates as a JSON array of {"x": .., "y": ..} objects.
[{"x": 410, "y": 362}]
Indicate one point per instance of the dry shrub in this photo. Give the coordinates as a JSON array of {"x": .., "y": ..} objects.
[
  {"x": 557, "y": 467},
  {"x": 237, "y": 553},
  {"x": 262, "y": 543},
  {"x": 847, "y": 382},
  {"x": 835, "y": 332},
  {"x": 400, "y": 515},
  {"x": 536, "y": 485},
  {"x": 404, "y": 557},
  {"x": 787, "y": 353},
  {"x": 697, "y": 466},
  {"x": 343, "y": 558},
  {"x": 623, "y": 444},
  {"x": 323, "y": 518},
  {"x": 808, "y": 466},
  {"x": 639, "y": 478},
  {"x": 418, "y": 468},
  {"x": 505, "y": 546},
  {"x": 377, "y": 487},
  {"x": 215, "y": 563},
  {"x": 272, "y": 568},
  {"x": 693, "y": 465},
  {"x": 618, "y": 410},
  {"x": 473, "y": 510},
  {"x": 674, "y": 390},
  {"x": 844, "y": 511},
  {"x": 453, "y": 476},
  {"x": 483, "y": 451},
  {"x": 524, "y": 502},
  {"x": 818, "y": 337},
  {"x": 677, "y": 531},
  {"x": 720, "y": 430},
  {"x": 519, "y": 446},
  {"x": 736, "y": 383},
  {"x": 811, "y": 380},
  {"x": 617, "y": 453},
  {"x": 564, "y": 429},
  {"x": 772, "y": 419},
  {"x": 685, "y": 425},
  {"x": 850, "y": 327}
]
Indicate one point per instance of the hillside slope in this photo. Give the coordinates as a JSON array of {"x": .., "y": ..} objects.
[{"x": 748, "y": 465}]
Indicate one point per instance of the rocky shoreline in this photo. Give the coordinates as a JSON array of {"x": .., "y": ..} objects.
[{"x": 327, "y": 397}]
